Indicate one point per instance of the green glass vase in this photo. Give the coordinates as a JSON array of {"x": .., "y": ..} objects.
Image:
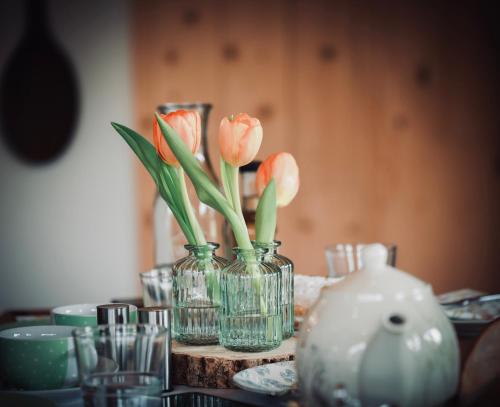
[
  {"x": 250, "y": 315},
  {"x": 286, "y": 267},
  {"x": 196, "y": 295}
]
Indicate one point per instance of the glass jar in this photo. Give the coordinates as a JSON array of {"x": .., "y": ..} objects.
[
  {"x": 286, "y": 267},
  {"x": 250, "y": 317},
  {"x": 196, "y": 295}
]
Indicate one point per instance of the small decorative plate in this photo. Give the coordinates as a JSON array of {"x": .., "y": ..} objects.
[{"x": 274, "y": 378}]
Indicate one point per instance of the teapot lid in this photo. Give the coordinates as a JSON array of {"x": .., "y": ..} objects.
[{"x": 374, "y": 257}]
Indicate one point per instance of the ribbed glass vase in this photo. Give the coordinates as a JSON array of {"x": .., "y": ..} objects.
[
  {"x": 196, "y": 295},
  {"x": 250, "y": 315},
  {"x": 286, "y": 267}
]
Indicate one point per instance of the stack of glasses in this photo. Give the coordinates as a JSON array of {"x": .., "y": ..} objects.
[{"x": 122, "y": 363}]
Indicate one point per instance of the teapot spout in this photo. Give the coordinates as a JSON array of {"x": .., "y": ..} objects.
[
  {"x": 388, "y": 367},
  {"x": 395, "y": 323}
]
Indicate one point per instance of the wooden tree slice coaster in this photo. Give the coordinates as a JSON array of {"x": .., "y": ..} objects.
[{"x": 214, "y": 366}]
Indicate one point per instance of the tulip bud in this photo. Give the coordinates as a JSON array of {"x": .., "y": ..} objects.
[
  {"x": 187, "y": 124},
  {"x": 283, "y": 168},
  {"x": 240, "y": 137}
]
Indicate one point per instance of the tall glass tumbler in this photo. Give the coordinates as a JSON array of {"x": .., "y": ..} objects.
[
  {"x": 344, "y": 258},
  {"x": 121, "y": 364},
  {"x": 157, "y": 286}
]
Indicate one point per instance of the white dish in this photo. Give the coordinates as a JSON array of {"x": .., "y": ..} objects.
[{"x": 274, "y": 378}]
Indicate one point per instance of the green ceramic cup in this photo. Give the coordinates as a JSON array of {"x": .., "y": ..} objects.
[
  {"x": 40, "y": 357},
  {"x": 82, "y": 315},
  {"x": 75, "y": 315}
]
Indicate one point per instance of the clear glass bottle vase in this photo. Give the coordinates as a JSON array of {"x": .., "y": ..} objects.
[
  {"x": 250, "y": 315},
  {"x": 286, "y": 267},
  {"x": 196, "y": 295}
]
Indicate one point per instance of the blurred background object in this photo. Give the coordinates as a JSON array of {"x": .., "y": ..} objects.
[
  {"x": 68, "y": 227},
  {"x": 391, "y": 109},
  {"x": 157, "y": 286},
  {"x": 38, "y": 92},
  {"x": 481, "y": 375},
  {"x": 344, "y": 258}
]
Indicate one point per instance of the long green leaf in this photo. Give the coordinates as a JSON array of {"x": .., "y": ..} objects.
[
  {"x": 188, "y": 208},
  {"x": 164, "y": 183},
  {"x": 207, "y": 191},
  {"x": 142, "y": 148},
  {"x": 166, "y": 191},
  {"x": 265, "y": 217},
  {"x": 160, "y": 172},
  {"x": 170, "y": 179},
  {"x": 179, "y": 216}
]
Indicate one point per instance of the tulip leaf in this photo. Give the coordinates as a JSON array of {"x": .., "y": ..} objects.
[
  {"x": 207, "y": 191},
  {"x": 142, "y": 148},
  {"x": 178, "y": 212},
  {"x": 171, "y": 179},
  {"x": 265, "y": 217},
  {"x": 163, "y": 175}
]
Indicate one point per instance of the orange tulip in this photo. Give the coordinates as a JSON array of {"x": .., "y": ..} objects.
[
  {"x": 187, "y": 124},
  {"x": 239, "y": 139},
  {"x": 283, "y": 168}
]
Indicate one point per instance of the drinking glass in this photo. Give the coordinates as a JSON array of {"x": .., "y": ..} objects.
[
  {"x": 157, "y": 286},
  {"x": 121, "y": 364},
  {"x": 344, "y": 258}
]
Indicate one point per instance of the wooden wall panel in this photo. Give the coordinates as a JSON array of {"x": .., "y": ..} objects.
[{"x": 389, "y": 108}]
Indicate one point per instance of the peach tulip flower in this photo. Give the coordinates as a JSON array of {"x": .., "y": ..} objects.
[
  {"x": 283, "y": 168},
  {"x": 240, "y": 137},
  {"x": 187, "y": 124}
]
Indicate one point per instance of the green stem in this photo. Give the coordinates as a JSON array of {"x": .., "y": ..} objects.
[
  {"x": 234, "y": 186},
  {"x": 178, "y": 212},
  {"x": 225, "y": 181},
  {"x": 239, "y": 229},
  {"x": 195, "y": 225}
]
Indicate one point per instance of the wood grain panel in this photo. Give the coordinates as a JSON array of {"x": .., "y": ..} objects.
[{"x": 389, "y": 108}]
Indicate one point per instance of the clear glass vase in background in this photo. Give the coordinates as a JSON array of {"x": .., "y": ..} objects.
[
  {"x": 250, "y": 315},
  {"x": 345, "y": 258},
  {"x": 169, "y": 239},
  {"x": 196, "y": 295},
  {"x": 286, "y": 267},
  {"x": 157, "y": 286}
]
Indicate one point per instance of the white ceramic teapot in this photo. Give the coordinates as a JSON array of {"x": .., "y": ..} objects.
[{"x": 382, "y": 335}]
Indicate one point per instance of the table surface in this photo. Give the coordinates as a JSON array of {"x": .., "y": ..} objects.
[{"x": 73, "y": 397}]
